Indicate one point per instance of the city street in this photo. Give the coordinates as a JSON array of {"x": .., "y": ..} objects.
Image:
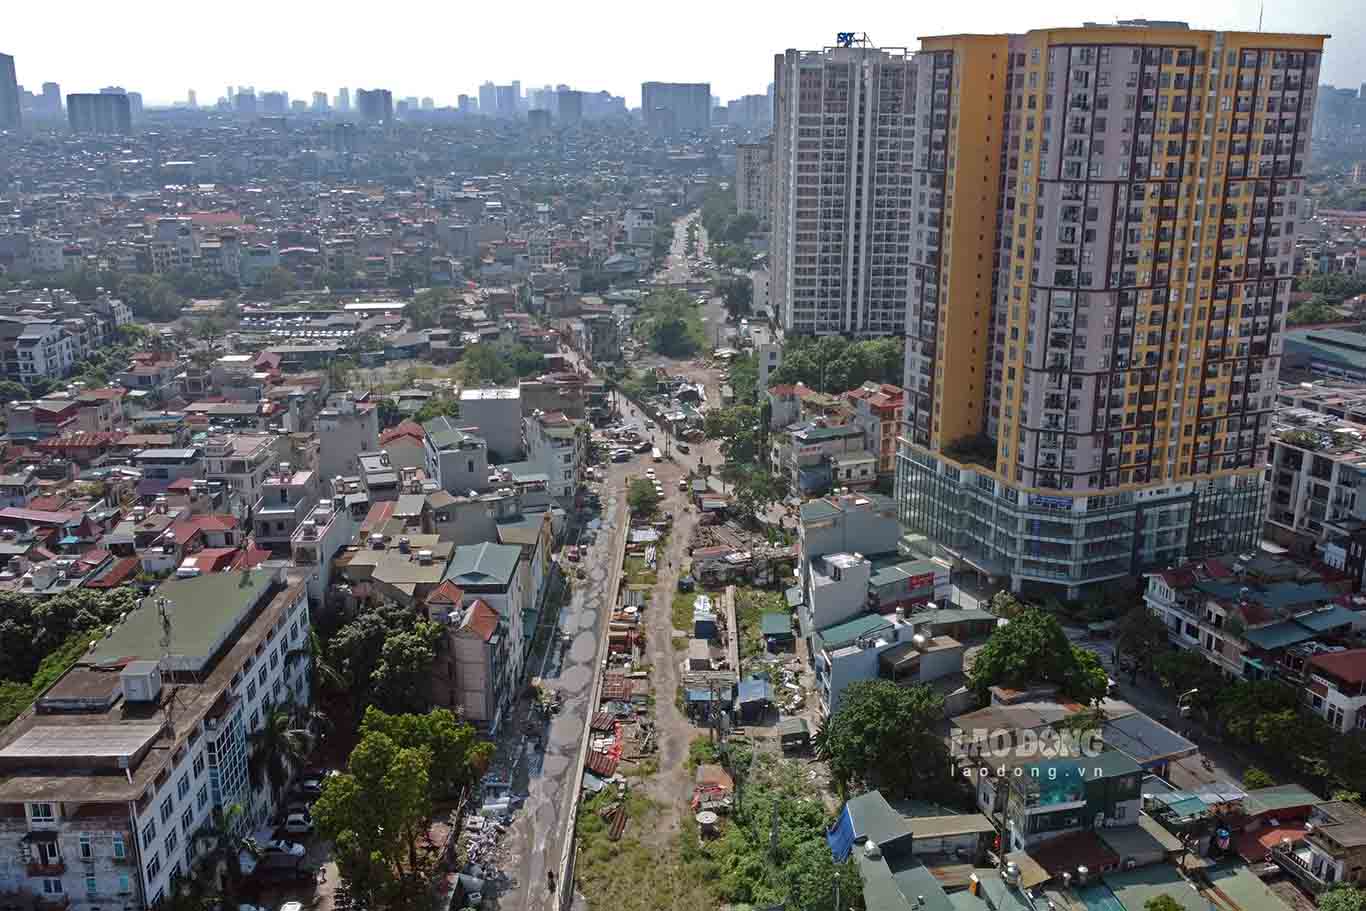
[{"x": 545, "y": 773}]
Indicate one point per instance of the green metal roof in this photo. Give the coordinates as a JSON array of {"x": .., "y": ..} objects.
[
  {"x": 850, "y": 630},
  {"x": 485, "y": 564},
  {"x": 1328, "y": 618},
  {"x": 1278, "y": 635},
  {"x": 444, "y": 435},
  {"x": 204, "y": 610},
  {"x": 1135, "y": 888},
  {"x": 775, "y": 624},
  {"x": 816, "y": 510},
  {"x": 1277, "y": 798},
  {"x": 1245, "y": 889}
]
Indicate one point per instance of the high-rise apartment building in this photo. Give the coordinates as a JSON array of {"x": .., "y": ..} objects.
[
  {"x": 668, "y": 107},
  {"x": 508, "y": 99},
  {"x": 488, "y": 99},
  {"x": 1104, "y": 228},
  {"x": 9, "y": 94},
  {"x": 753, "y": 162},
  {"x": 319, "y": 102},
  {"x": 569, "y": 107},
  {"x": 343, "y": 101},
  {"x": 375, "y": 105},
  {"x": 102, "y": 113},
  {"x": 274, "y": 103},
  {"x": 842, "y": 190}
]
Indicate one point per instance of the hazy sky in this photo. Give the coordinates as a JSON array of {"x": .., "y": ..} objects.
[{"x": 444, "y": 49}]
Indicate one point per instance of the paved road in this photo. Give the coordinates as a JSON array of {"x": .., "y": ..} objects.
[{"x": 536, "y": 838}]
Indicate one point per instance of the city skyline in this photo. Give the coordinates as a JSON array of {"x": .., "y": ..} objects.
[{"x": 733, "y": 51}]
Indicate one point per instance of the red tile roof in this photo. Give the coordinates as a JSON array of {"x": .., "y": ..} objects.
[
  {"x": 250, "y": 557},
  {"x": 446, "y": 593},
  {"x": 482, "y": 620},
  {"x": 83, "y": 440},
  {"x": 1348, "y": 666},
  {"x": 404, "y": 429},
  {"x": 117, "y": 574},
  {"x": 1067, "y": 852},
  {"x": 379, "y": 514}
]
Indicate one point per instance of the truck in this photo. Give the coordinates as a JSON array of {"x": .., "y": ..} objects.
[{"x": 656, "y": 455}]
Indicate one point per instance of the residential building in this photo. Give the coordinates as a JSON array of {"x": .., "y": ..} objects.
[
  {"x": 753, "y": 161},
  {"x": 496, "y": 415},
  {"x": 1105, "y": 402},
  {"x": 403, "y": 568},
  {"x": 1335, "y": 688},
  {"x": 102, "y": 113},
  {"x": 556, "y": 449},
  {"x": 878, "y": 647},
  {"x": 345, "y": 429},
  {"x": 456, "y": 459},
  {"x": 287, "y": 498},
  {"x": 242, "y": 462},
  {"x": 1316, "y": 465},
  {"x": 863, "y": 523},
  {"x": 380, "y": 480},
  {"x": 406, "y": 446},
  {"x": 1256, "y": 616},
  {"x": 375, "y": 105},
  {"x": 9, "y": 94},
  {"x": 110, "y": 778},
  {"x": 318, "y": 540},
  {"x": 879, "y": 410},
  {"x": 18, "y": 488},
  {"x": 669, "y": 107},
  {"x": 569, "y": 107},
  {"x": 163, "y": 467},
  {"x": 842, "y": 189},
  {"x": 819, "y": 455},
  {"x": 496, "y": 574},
  {"x": 1333, "y": 848}
]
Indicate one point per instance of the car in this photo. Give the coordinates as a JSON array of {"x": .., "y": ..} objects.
[
  {"x": 683, "y": 448},
  {"x": 621, "y": 455},
  {"x": 280, "y": 846},
  {"x": 311, "y": 786},
  {"x": 644, "y": 446},
  {"x": 650, "y": 473},
  {"x": 298, "y": 824},
  {"x": 1111, "y": 686},
  {"x": 682, "y": 483},
  {"x": 292, "y": 906}
]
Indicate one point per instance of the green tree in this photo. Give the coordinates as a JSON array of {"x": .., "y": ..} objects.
[
  {"x": 1343, "y": 897},
  {"x": 737, "y": 294},
  {"x": 1255, "y": 778},
  {"x": 221, "y": 843},
  {"x": 1142, "y": 635},
  {"x": 1005, "y": 604},
  {"x": 740, "y": 430},
  {"x": 756, "y": 489},
  {"x": 436, "y": 408},
  {"x": 1163, "y": 902},
  {"x": 1314, "y": 310},
  {"x": 389, "y": 414},
  {"x": 811, "y": 875},
  {"x": 885, "y": 733},
  {"x": 402, "y": 679},
  {"x": 210, "y": 330},
  {"x": 278, "y": 747},
  {"x": 357, "y": 651},
  {"x": 668, "y": 321},
  {"x": 11, "y": 391},
  {"x": 278, "y": 282},
  {"x": 459, "y": 757},
  {"x": 1032, "y": 648},
  {"x": 424, "y": 310},
  {"x": 375, "y": 813},
  {"x": 642, "y": 497},
  {"x": 740, "y": 227}
]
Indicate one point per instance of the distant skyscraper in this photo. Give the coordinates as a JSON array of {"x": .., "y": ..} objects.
[
  {"x": 344, "y": 101},
  {"x": 569, "y": 107},
  {"x": 135, "y": 106},
  {"x": 753, "y": 164},
  {"x": 274, "y": 103},
  {"x": 670, "y": 106},
  {"x": 375, "y": 105},
  {"x": 508, "y": 98},
  {"x": 467, "y": 104},
  {"x": 428, "y": 104},
  {"x": 107, "y": 112},
  {"x": 319, "y": 102},
  {"x": 840, "y": 236},
  {"x": 488, "y": 99},
  {"x": 52, "y": 100},
  {"x": 190, "y": 100},
  {"x": 244, "y": 102},
  {"x": 9, "y": 94},
  {"x": 518, "y": 102}
]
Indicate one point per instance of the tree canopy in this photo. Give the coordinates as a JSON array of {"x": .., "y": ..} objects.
[
  {"x": 376, "y": 813},
  {"x": 740, "y": 430},
  {"x": 642, "y": 497},
  {"x": 1163, "y": 902},
  {"x": 835, "y": 364},
  {"x": 669, "y": 322},
  {"x": 1032, "y": 648},
  {"x": 382, "y": 655},
  {"x": 884, "y": 734},
  {"x": 737, "y": 293},
  {"x": 499, "y": 363},
  {"x": 1343, "y": 897},
  {"x": 459, "y": 757},
  {"x": 1141, "y": 635}
]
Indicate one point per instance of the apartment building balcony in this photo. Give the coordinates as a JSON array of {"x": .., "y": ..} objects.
[
  {"x": 1297, "y": 861},
  {"x": 52, "y": 869}
]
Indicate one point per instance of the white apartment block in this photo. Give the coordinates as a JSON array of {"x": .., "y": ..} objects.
[
  {"x": 108, "y": 783},
  {"x": 753, "y": 163},
  {"x": 842, "y": 181}
]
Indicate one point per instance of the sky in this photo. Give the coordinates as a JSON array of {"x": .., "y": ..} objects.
[{"x": 445, "y": 49}]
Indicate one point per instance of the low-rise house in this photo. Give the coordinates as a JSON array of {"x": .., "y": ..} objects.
[
  {"x": 872, "y": 647},
  {"x": 1335, "y": 687},
  {"x": 346, "y": 428},
  {"x": 318, "y": 540},
  {"x": 557, "y": 449},
  {"x": 379, "y": 479},
  {"x": 455, "y": 457},
  {"x": 403, "y": 569},
  {"x": 241, "y": 462},
  {"x": 162, "y": 467},
  {"x": 497, "y": 574},
  {"x": 1333, "y": 848},
  {"x": 497, "y": 415},
  {"x": 405, "y": 444},
  {"x": 287, "y": 498},
  {"x": 474, "y": 676},
  {"x": 18, "y": 488}
]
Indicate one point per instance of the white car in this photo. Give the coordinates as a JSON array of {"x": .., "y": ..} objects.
[
  {"x": 292, "y": 906},
  {"x": 298, "y": 824},
  {"x": 280, "y": 846},
  {"x": 650, "y": 473}
]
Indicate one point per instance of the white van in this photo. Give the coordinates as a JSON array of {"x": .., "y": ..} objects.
[{"x": 656, "y": 455}]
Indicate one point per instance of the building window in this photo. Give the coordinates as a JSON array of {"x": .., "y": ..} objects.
[
  {"x": 92, "y": 885},
  {"x": 183, "y": 786},
  {"x": 186, "y": 821},
  {"x": 52, "y": 887},
  {"x": 153, "y": 868},
  {"x": 172, "y": 839},
  {"x": 120, "y": 849},
  {"x": 87, "y": 849},
  {"x": 167, "y": 808},
  {"x": 41, "y": 812},
  {"x": 198, "y": 765},
  {"x": 125, "y": 884},
  {"x": 149, "y": 834},
  {"x": 203, "y": 796}
]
